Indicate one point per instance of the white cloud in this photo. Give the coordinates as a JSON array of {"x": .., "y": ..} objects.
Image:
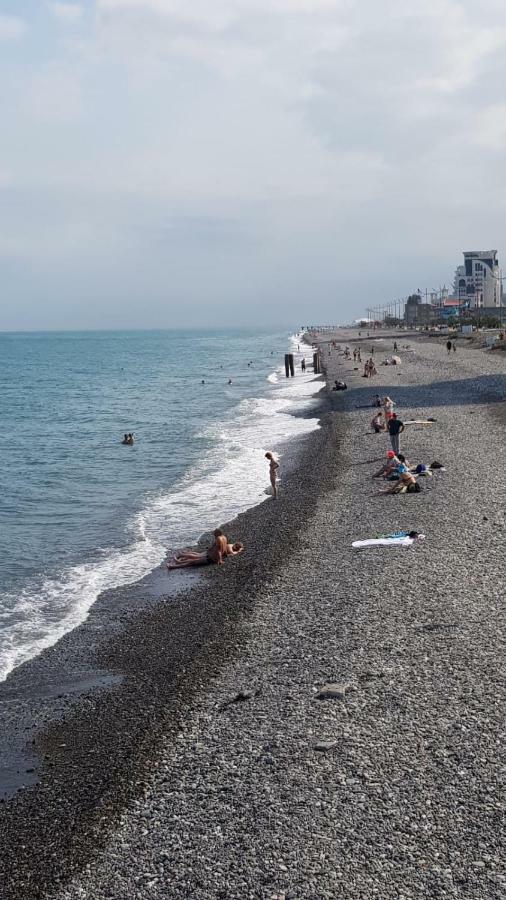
[
  {"x": 67, "y": 13},
  {"x": 339, "y": 134},
  {"x": 11, "y": 28}
]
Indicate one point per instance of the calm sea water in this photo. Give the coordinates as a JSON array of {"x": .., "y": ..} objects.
[{"x": 80, "y": 512}]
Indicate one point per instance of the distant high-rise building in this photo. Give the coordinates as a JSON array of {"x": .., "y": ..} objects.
[{"x": 479, "y": 281}]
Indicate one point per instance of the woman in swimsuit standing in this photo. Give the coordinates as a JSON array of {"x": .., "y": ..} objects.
[{"x": 273, "y": 473}]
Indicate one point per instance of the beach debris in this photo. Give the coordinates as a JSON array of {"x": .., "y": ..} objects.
[
  {"x": 334, "y": 690},
  {"x": 438, "y": 626},
  {"x": 241, "y": 696}
]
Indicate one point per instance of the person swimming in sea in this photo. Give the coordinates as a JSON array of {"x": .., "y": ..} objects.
[{"x": 128, "y": 439}]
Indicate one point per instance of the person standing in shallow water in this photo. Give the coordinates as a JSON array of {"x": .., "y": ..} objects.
[{"x": 273, "y": 473}]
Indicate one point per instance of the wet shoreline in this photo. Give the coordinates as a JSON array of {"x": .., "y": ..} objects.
[{"x": 81, "y": 721}]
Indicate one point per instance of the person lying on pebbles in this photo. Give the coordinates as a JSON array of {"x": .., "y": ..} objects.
[
  {"x": 214, "y": 555},
  {"x": 406, "y": 483}
]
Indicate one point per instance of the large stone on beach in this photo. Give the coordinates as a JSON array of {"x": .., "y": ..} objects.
[
  {"x": 333, "y": 691},
  {"x": 323, "y": 746}
]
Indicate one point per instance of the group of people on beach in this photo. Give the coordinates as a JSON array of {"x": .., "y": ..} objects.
[
  {"x": 397, "y": 469},
  {"x": 386, "y": 420},
  {"x": 369, "y": 368},
  {"x": 221, "y": 548}
]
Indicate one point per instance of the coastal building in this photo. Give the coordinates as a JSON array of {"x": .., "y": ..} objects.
[
  {"x": 417, "y": 313},
  {"x": 478, "y": 282},
  {"x": 437, "y": 299}
]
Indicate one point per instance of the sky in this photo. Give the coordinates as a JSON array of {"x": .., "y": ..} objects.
[{"x": 173, "y": 163}]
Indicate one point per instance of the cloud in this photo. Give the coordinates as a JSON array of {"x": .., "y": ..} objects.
[
  {"x": 287, "y": 148},
  {"x": 66, "y": 13},
  {"x": 11, "y": 28}
]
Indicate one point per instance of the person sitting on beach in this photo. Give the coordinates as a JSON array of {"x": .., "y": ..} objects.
[
  {"x": 389, "y": 467},
  {"x": 273, "y": 473},
  {"x": 377, "y": 423},
  {"x": 340, "y": 386},
  {"x": 377, "y": 401},
  {"x": 213, "y": 555},
  {"x": 404, "y": 462}
]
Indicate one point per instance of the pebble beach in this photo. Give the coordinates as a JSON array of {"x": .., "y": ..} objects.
[{"x": 216, "y": 767}]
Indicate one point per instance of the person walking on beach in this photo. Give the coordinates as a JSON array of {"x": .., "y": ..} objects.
[
  {"x": 273, "y": 473},
  {"x": 395, "y": 428},
  {"x": 449, "y": 347},
  {"x": 303, "y": 365},
  {"x": 454, "y": 347}
]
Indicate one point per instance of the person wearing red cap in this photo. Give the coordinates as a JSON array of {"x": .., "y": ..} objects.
[{"x": 389, "y": 467}]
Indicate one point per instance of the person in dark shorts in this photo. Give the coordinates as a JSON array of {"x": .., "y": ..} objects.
[{"x": 395, "y": 428}]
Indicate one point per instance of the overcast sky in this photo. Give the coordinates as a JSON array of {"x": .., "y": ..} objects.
[{"x": 186, "y": 162}]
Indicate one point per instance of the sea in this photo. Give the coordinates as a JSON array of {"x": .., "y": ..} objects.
[{"x": 79, "y": 511}]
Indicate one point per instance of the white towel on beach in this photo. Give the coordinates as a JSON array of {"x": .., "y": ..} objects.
[{"x": 405, "y": 542}]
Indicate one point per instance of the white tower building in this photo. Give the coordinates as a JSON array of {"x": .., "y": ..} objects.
[{"x": 479, "y": 281}]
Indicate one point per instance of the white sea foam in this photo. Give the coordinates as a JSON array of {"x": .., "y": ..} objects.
[{"x": 232, "y": 478}]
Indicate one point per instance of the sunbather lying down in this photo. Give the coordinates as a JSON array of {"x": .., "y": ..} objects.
[
  {"x": 215, "y": 554},
  {"x": 406, "y": 483}
]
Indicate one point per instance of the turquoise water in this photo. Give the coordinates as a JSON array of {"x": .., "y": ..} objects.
[{"x": 80, "y": 512}]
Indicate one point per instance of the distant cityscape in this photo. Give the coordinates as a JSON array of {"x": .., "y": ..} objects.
[{"x": 476, "y": 297}]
